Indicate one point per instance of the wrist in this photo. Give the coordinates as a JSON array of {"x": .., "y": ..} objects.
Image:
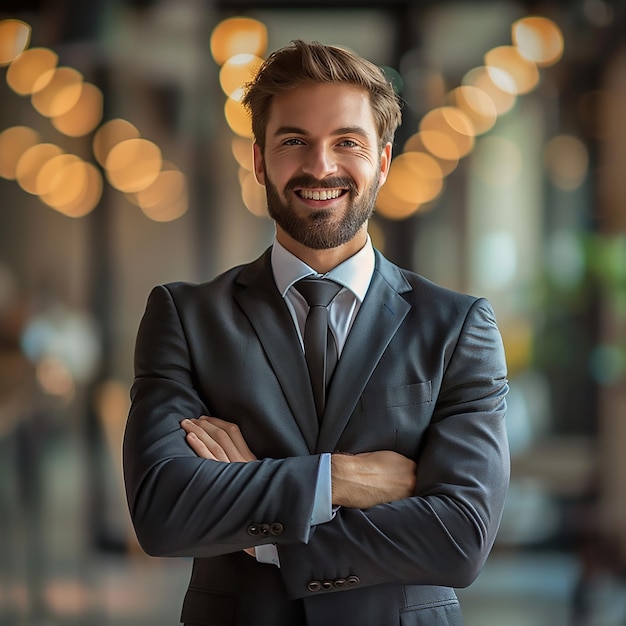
[{"x": 341, "y": 468}]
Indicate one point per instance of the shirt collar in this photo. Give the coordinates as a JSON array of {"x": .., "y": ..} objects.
[{"x": 354, "y": 273}]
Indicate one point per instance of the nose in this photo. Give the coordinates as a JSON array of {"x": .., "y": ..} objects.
[{"x": 319, "y": 161}]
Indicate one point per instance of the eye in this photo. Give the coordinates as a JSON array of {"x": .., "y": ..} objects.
[
  {"x": 348, "y": 143},
  {"x": 294, "y": 141}
]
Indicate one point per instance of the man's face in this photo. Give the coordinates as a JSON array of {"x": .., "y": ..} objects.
[{"x": 322, "y": 165}]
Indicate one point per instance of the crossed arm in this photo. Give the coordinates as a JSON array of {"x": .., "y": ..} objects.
[{"x": 359, "y": 481}]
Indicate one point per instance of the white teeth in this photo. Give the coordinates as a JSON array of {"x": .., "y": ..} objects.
[{"x": 328, "y": 194}]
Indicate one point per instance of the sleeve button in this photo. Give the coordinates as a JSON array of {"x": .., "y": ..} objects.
[
  {"x": 314, "y": 585},
  {"x": 353, "y": 580},
  {"x": 340, "y": 582},
  {"x": 327, "y": 584},
  {"x": 253, "y": 530},
  {"x": 276, "y": 529}
]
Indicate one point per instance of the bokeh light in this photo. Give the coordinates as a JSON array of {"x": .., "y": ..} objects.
[
  {"x": 31, "y": 162},
  {"x": 60, "y": 94},
  {"x": 238, "y": 35},
  {"x": 389, "y": 205},
  {"x": 237, "y": 71},
  {"x": 14, "y": 39},
  {"x": 14, "y": 142},
  {"x": 253, "y": 194},
  {"x": 242, "y": 151},
  {"x": 441, "y": 144},
  {"x": 480, "y": 77},
  {"x": 448, "y": 121},
  {"x": 133, "y": 164},
  {"x": 237, "y": 116},
  {"x": 84, "y": 203},
  {"x": 84, "y": 116},
  {"x": 166, "y": 199},
  {"x": 538, "y": 39},
  {"x": 507, "y": 60},
  {"x": 477, "y": 105},
  {"x": 109, "y": 135},
  {"x": 415, "y": 177},
  {"x": 32, "y": 70}
]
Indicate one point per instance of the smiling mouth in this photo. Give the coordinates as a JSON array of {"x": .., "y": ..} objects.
[{"x": 321, "y": 194}]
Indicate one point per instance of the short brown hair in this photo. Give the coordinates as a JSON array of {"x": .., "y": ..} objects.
[{"x": 312, "y": 62}]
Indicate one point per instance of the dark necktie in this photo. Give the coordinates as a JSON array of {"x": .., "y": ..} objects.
[{"x": 319, "y": 343}]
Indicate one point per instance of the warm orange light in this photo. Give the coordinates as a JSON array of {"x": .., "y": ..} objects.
[
  {"x": 32, "y": 70},
  {"x": 237, "y": 35},
  {"x": 92, "y": 192},
  {"x": 482, "y": 79},
  {"x": 167, "y": 198},
  {"x": 415, "y": 177},
  {"x": 109, "y": 135},
  {"x": 449, "y": 121},
  {"x": 477, "y": 105},
  {"x": 31, "y": 162},
  {"x": 237, "y": 71},
  {"x": 441, "y": 144},
  {"x": 167, "y": 188},
  {"x": 237, "y": 117},
  {"x": 538, "y": 39},
  {"x": 389, "y": 205},
  {"x": 133, "y": 165},
  {"x": 62, "y": 181},
  {"x": 14, "y": 142},
  {"x": 60, "y": 94},
  {"x": 242, "y": 151},
  {"x": 14, "y": 39},
  {"x": 522, "y": 71},
  {"x": 84, "y": 116},
  {"x": 253, "y": 194}
]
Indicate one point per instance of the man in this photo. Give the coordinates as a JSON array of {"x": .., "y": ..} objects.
[{"x": 363, "y": 504}]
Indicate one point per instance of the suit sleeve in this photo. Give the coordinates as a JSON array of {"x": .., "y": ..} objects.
[
  {"x": 182, "y": 505},
  {"x": 442, "y": 535}
]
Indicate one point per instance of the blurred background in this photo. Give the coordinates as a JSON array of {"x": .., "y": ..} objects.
[{"x": 125, "y": 162}]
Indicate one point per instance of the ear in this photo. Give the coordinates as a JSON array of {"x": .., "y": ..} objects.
[
  {"x": 259, "y": 164},
  {"x": 385, "y": 163}
]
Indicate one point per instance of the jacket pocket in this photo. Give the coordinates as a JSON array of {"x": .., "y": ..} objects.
[{"x": 405, "y": 395}]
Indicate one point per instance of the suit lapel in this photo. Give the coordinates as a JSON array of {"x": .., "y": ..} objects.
[
  {"x": 379, "y": 318},
  {"x": 268, "y": 314}
]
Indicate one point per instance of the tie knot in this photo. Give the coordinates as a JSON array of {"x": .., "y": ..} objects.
[{"x": 318, "y": 291}]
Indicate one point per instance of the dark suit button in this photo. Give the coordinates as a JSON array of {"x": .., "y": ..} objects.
[
  {"x": 264, "y": 529},
  {"x": 340, "y": 582},
  {"x": 314, "y": 585},
  {"x": 353, "y": 580},
  {"x": 327, "y": 584},
  {"x": 253, "y": 530},
  {"x": 276, "y": 529}
]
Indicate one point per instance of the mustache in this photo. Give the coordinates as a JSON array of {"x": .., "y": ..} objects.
[{"x": 310, "y": 182}]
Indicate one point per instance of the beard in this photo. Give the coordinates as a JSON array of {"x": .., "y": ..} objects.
[{"x": 321, "y": 230}]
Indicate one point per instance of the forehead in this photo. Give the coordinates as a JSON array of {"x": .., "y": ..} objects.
[{"x": 320, "y": 107}]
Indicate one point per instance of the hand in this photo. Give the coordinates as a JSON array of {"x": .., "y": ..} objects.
[
  {"x": 216, "y": 439},
  {"x": 364, "y": 480}
]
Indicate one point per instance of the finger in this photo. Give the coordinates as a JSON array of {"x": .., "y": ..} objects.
[
  {"x": 202, "y": 443},
  {"x": 199, "y": 447},
  {"x": 235, "y": 437}
]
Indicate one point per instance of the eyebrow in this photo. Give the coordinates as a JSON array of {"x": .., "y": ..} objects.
[{"x": 346, "y": 130}]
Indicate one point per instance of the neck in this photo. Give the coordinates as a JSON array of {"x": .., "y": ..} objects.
[{"x": 322, "y": 261}]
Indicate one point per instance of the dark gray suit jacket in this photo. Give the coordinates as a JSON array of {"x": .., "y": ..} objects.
[{"x": 422, "y": 373}]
